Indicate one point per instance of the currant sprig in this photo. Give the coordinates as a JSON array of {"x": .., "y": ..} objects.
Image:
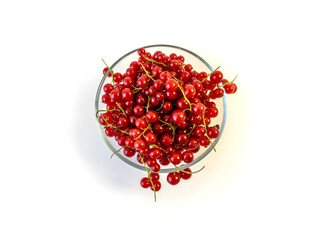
[{"x": 159, "y": 111}]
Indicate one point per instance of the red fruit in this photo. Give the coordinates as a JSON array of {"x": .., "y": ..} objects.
[
  {"x": 127, "y": 94},
  {"x": 158, "y": 128},
  {"x": 189, "y": 90},
  {"x": 117, "y": 77},
  {"x": 145, "y": 182},
  {"x": 138, "y": 110},
  {"x": 108, "y": 88},
  {"x": 186, "y": 174},
  {"x": 139, "y": 144},
  {"x": 198, "y": 109},
  {"x": 216, "y": 77},
  {"x": 166, "y": 139},
  {"x": 159, "y": 85},
  {"x": 182, "y": 104},
  {"x": 171, "y": 85},
  {"x": 154, "y": 176},
  {"x": 155, "y": 153},
  {"x": 167, "y": 106},
  {"x": 152, "y": 116},
  {"x": 188, "y": 156},
  {"x": 211, "y": 112},
  {"x": 157, "y": 187},
  {"x": 175, "y": 158},
  {"x": 212, "y": 132},
  {"x": 155, "y": 167},
  {"x": 230, "y": 88},
  {"x": 193, "y": 143},
  {"x": 217, "y": 93},
  {"x": 178, "y": 116},
  {"x": 173, "y": 178},
  {"x": 141, "y": 123},
  {"x": 204, "y": 141},
  {"x": 151, "y": 138},
  {"x": 129, "y": 152},
  {"x": 182, "y": 138}
]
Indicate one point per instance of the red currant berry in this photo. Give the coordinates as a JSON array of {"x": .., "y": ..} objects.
[
  {"x": 188, "y": 156},
  {"x": 178, "y": 117},
  {"x": 154, "y": 176},
  {"x": 129, "y": 152},
  {"x": 166, "y": 139},
  {"x": 157, "y": 186},
  {"x": 173, "y": 178},
  {"x": 211, "y": 112},
  {"x": 187, "y": 174},
  {"x": 145, "y": 182},
  {"x": 139, "y": 144},
  {"x": 216, "y": 77},
  {"x": 152, "y": 116},
  {"x": 212, "y": 132},
  {"x": 171, "y": 85},
  {"x": 175, "y": 158}
]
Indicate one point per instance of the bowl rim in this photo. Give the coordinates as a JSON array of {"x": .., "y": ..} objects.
[{"x": 165, "y": 170}]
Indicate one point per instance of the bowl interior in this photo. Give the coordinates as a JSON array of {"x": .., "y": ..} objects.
[{"x": 198, "y": 64}]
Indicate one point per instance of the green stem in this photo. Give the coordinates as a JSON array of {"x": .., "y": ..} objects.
[
  {"x": 121, "y": 109},
  {"x": 144, "y": 69},
  {"x": 154, "y": 145},
  {"x": 206, "y": 131},
  {"x": 108, "y": 124},
  {"x": 151, "y": 60},
  {"x": 170, "y": 125},
  {"x": 179, "y": 169},
  {"x": 111, "y": 110},
  {"x": 110, "y": 70},
  {"x": 194, "y": 125},
  {"x": 117, "y": 151},
  {"x": 144, "y": 164},
  {"x": 142, "y": 132},
  {"x": 182, "y": 90},
  {"x": 210, "y": 74}
]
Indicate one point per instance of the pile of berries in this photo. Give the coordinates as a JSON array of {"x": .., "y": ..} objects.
[{"x": 160, "y": 110}]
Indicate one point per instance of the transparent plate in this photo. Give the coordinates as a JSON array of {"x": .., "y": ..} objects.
[{"x": 199, "y": 64}]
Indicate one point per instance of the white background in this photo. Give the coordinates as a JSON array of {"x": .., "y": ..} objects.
[{"x": 266, "y": 180}]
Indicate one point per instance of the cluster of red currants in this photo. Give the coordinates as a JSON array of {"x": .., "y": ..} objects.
[{"x": 160, "y": 110}]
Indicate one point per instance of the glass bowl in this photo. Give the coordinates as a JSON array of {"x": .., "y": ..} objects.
[{"x": 199, "y": 65}]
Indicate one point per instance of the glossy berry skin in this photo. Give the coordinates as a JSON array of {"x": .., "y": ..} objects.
[
  {"x": 129, "y": 152},
  {"x": 145, "y": 182},
  {"x": 171, "y": 85},
  {"x": 151, "y": 138},
  {"x": 173, "y": 178},
  {"x": 154, "y": 176},
  {"x": 127, "y": 94},
  {"x": 217, "y": 93},
  {"x": 175, "y": 158},
  {"x": 157, "y": 185},
  {"x": 187, "y": 174},
  {"x": 152, "y": 116},
  {"x": 204, "y": 141},
  {"x": 166, "y": 139},
  {"x": 178, "y": 116},
  {"x": 188, "y": 156},
  {"x": 139, "y": 144},
  {"x": 198, "y": 109},
  {"x": 141, "y": 123},
  {"x": 189, "y": 90},
  {"x": 216, "y": 77},
  {"x": 212, "y": 132},
  {"x": 211, "y": 112},
  {"x": 230, "y": 88}
]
